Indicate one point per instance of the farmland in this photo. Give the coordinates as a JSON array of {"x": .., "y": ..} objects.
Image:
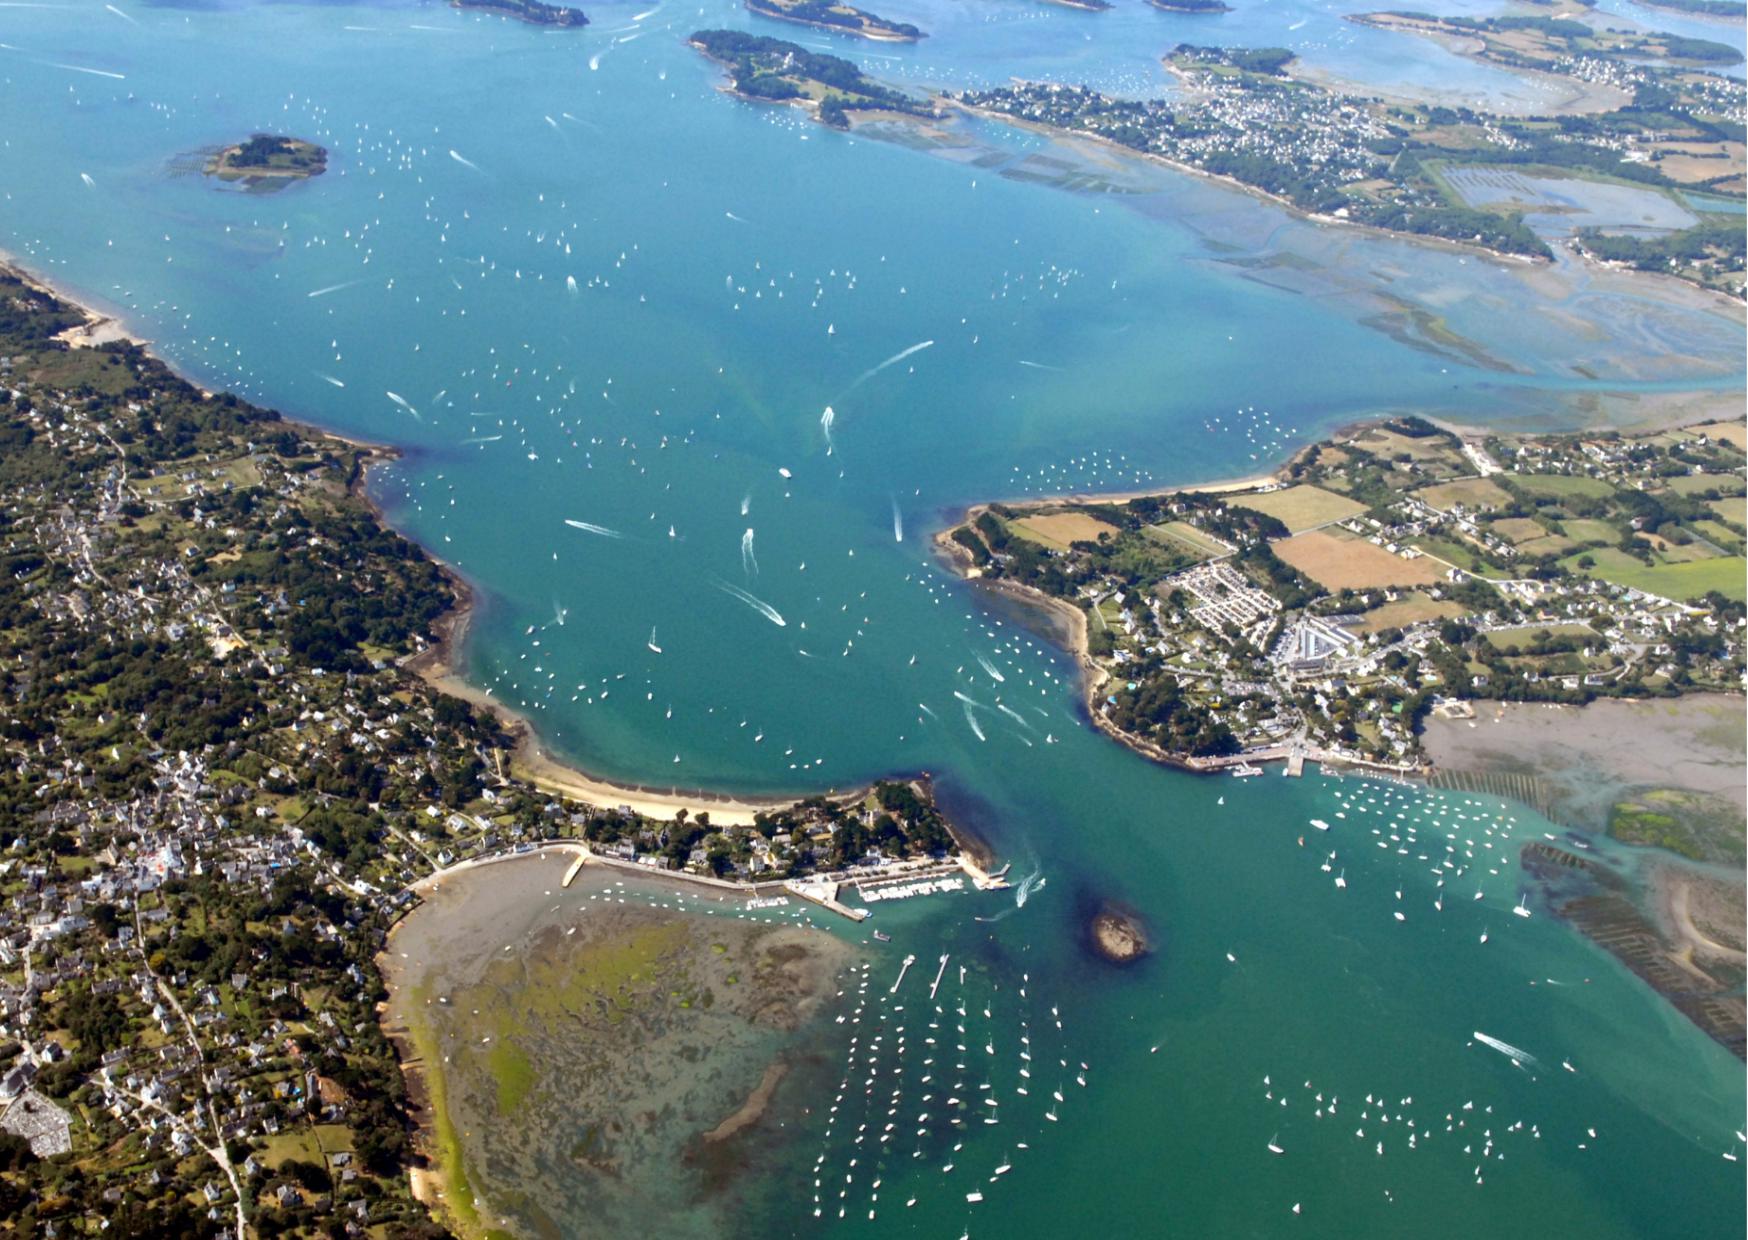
[
  {"x": 1336, "y": 562},
  {"x": 1061, "y": 530},
  {"x": 1301, "y": 508},
  {"x": 1477, "y": 494}
]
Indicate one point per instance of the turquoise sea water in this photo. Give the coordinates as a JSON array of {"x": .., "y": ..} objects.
[{"x": 985, "y": 314}]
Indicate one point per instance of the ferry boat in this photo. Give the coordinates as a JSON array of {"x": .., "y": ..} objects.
[
  {"x": 1244, "y": 770},
  {"x": 882, "y": 936}
]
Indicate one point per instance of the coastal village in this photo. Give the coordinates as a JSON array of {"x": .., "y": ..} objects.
[
  {"x": 1510, "y": 184},
  {"x": 1396, "y": 570},
  {"x": 225, "y": 779}
]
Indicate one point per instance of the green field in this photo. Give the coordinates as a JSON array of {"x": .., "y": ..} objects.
[
  {"x": 1481, "y": 494},
  {"x": 1517, "y": 530},
  {"x": 1734, "y": 510},
  {"x": 1584, "y": 530},
  {"x": 1522, "y": 638},
  {"x": 1720, "y": 534},
  {"x": 1559, "y": 486},
  {"x": 1727, "y": 574},
  {"x": 1553, "y": 544},
  {"x": 1693, "y": 484},
  {"x": 1301, "y": 508},
  {"x": 1181, "y": 535},
  {"x": 1461, "y": 554}
]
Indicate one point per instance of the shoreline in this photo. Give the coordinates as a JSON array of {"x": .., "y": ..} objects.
[
  {"x": 872, "y": 34},
  {"x": 438, "y": 663},
  {"x": 1220, "y": 178},
  {"x": 1581, "y": 98}
]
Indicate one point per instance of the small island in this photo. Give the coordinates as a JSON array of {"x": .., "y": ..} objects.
[
  {"x": 774, "y": 71},
  {"x": 830, "y": 16},
  {"x": 531, "y": 11},
  {"x": 1191, "y": 6},
  {"x": 1117, "y": 935},
  {"x": 1091, "y": 6},
  {"x": 268, "y": 157}
]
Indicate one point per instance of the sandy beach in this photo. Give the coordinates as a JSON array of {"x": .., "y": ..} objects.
[{"x": 100, "y": 327}]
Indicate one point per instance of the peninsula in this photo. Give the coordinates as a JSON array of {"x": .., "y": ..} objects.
[
  {"x": 237, "y": 777},
  {"x": 1433, "y": 171},
  {"x": 774, "y": 71},
  {"x": 1393, "y": 571},
  {"x": 531, "y": 11},
  {"x": 268, "y": 157},
  {"x": 839, "y": 17}
]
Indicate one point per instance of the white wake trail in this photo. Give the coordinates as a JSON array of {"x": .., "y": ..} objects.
[
  {"x": 757, "y": 604},
  {"x": 589, "y": 527}
]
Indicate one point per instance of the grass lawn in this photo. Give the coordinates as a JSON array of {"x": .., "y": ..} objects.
[
  {"x": 1480, "y": 494},
  {"x": 1676, "y": 553},
  {"x": 1522, "y": 638},
  {"x": 1407, "y": 610},
  {"x": 1733, "y": 510},
  {"x": 299, "y": 1143},
  {"x": 1459, "y": 553},
  {"x": 1518, "y": 529},
  {"x": 1057, "y": 530},
  {"x": 1551, "y": 544},
  {"x": 1727, "y": 574},
  {"x": 1693, "y": 484},
  {"x": 1720, "y": 534},
  {"x": 1584, "y": 530},
  {"x": 1182, "y": 535},
  {"x": 1560, "y": 486},
  {"x": 1302, "y": 507}
]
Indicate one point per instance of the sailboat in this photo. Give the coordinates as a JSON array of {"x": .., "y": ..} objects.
[
  {"x": 1273, "y": 1148},
  {"x": 1522, "y": 909},
  {"x": 1341, "y": 879},
  {"x": 652, "y": 641}
]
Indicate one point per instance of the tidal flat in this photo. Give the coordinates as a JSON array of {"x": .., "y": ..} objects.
[
  {"x": 606, "y": 1051},
  {"x": 1658, "y": 773}
]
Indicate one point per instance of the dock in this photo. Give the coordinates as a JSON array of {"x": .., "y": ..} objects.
[
  {"x": 824, "y": 892},
  {"x": 902, "y": 970}
]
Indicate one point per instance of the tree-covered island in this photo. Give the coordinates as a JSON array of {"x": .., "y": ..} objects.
[
  {"x": 531, "y": 11},
  {"x": 1390, "y": 571},
  {"x": 840, "y": 17},
  {"x": 775, "y": 71},
  {"x": 268, "y": 157}
]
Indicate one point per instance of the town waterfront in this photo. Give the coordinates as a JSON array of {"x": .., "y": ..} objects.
[{"x": 672, "y": 371}]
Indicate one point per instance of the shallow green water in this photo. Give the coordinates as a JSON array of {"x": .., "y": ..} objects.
[{"x": 738, "y": 271}]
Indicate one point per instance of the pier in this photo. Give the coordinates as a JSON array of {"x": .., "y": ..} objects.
[{"x": 902, "y": 970}]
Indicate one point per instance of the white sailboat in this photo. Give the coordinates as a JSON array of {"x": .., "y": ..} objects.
[
  {"x": 652, "y": 641},
  {"x": 1273, "y": 1147}
]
